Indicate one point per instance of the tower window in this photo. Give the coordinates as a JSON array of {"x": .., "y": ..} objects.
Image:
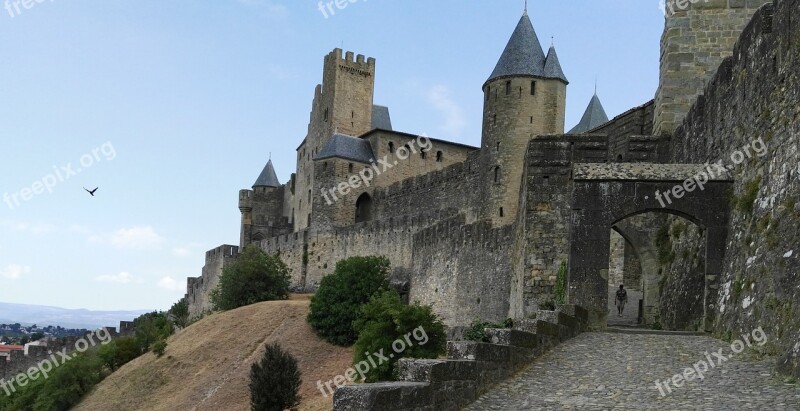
[
  {"x": 350, "y": 168},
  {"x": 352, "y": 114},
  {"x": 391, "y": 147},
  {"x": 422, "y": 155},
  {"x": 531, "y": 119},
  {"x": 501, "y": 211},
  {"x": 497, "y": 148},
  {"x": 309, "y": 196},
  {"x": 497, "y": 174},
  {"x": 326, "y": 114},
  {"x": 508, "y": 87},
  {"x": 494, "y": 119},
  {"x": 439, "y": 156},
  {"x": 533, "y": 88}
]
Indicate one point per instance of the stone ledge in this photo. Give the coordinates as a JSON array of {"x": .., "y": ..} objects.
[{"x": 471, "y": 368}]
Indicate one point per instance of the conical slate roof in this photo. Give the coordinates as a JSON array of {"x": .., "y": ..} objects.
[
  {"x": 552, "y": 67},
  {"x": 523, "y": 54},
  {"x": 594, "y": 116},
  {"x": 268, "y": 178}
]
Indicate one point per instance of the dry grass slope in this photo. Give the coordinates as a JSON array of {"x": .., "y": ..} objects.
[{"x": 207, "y": 366}]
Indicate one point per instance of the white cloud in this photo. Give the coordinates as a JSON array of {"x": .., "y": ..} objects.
[
  {"x": 169, "y": 283},
  {"x": 121, "y": 278},
  {"x": 14, "y": 271},
  {"x": 132, "y": 238},
  {"x": 35, "y": 228},
  {"x": 454, "y": 119}
]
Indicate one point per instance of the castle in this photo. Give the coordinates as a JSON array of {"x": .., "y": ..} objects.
[{"x": 483, "y": 232}]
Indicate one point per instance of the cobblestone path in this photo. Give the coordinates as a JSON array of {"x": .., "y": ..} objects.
[{"x": 608, "y": 371}]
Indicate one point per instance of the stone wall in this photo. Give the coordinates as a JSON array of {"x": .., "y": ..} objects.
[
  {"x": 199, "y": 289},
  {"x": 753, "y": 95},
  {"x": 698, "y": 35}
]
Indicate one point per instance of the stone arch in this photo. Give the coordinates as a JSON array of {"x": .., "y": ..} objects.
[
  {"x": 603, "y": 195},
  {"x": 364, "y": 208},
  {"x": 647, "y": 254}
]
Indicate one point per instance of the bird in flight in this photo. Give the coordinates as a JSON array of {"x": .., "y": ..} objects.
[{"x": 91, "y": 191}]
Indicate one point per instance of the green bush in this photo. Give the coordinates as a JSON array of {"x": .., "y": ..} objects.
[
  {"x": 397, "y": 331},
  {"x": 254, "y": 277},
  {"x": 119, "y": 352},
  {"x": 476, "y": 332},
  {"x": 274, "y": 381},
  {"x": 159, "y": 347},
  {"x": 337, "y": 303}
]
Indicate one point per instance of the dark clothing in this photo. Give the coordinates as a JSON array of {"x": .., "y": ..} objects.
[{"x": 622, "y": 295}]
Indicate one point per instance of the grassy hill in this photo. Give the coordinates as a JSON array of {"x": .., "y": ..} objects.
[{"x": 206, "y": 366}]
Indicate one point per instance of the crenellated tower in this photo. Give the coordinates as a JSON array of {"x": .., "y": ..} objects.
[
  {"x": 342, "y": 104},
  {"x": 524, "y": 97}
]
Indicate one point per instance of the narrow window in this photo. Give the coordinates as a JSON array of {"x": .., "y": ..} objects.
[
  {"x": 497, "y": 174},
  {"x": 494, "y": 119},
  {"x": 391, "y": 147},
  {"x": 501, "y": 211},
  {"x": 531, "y": 119},
  {"x": 533, "y": 88},
  {"x": 326, "y": 114},
  {"x": 352, "y": 114},
  {"x": 350, "y": 168},
  {"x": 508, "y": 87},
  {"x": 439, "y": 156},
  {"x": 309, "y": 196},
  {"x": 497, "y": 148},
  {"x": 422, "y": 155}
]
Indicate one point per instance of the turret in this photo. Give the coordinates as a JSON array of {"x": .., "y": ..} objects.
[
  {"x": 525, "y": 96},
  {"x": 594, "y": 116}
]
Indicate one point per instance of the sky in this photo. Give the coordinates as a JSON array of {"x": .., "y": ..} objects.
[{"x": 171, "y": 107}]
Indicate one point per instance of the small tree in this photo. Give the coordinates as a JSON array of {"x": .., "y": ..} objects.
[
  {"x": 179, "y": 313},
  {"x": 150, "y": 328},
  {"x": 398, "y": 331},
  {"x": 341, "y": 295},
  {"x": 119, "y": 352},
  {"x": 274, "y": 381},
  {"x": 254, "y": 277}
]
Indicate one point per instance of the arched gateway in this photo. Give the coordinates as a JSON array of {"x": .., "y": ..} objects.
[{"x": 605, "y": 194}]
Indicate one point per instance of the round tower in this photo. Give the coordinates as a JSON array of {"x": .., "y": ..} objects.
[{"x": 524, "y": 97}]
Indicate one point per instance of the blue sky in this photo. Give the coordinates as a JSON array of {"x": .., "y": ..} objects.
[{"x": 173, "y": 106}]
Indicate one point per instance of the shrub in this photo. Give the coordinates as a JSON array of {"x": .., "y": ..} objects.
[
  {"x": 159, "y": 347},
  {"x": 274, "y": 381},
  {"x": 341, "y": 295},
  {"x": 476, "y": 332},
  {"x": 254, "y": 277},
  {"x": 399, "y": 331},
  {"x": 561, "y": 284}
]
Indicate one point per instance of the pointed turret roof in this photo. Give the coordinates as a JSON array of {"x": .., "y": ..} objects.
[
  {"x": 268, "y": 178},
  {"x": 594, "y": 116},
  {"x": 523, "y": 54},
  {"x": 552, "y": 67}
]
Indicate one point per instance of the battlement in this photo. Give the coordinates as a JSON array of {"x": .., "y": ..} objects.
[
  {"x": 224, "y": 251},
  {"x": 350, "y": 60}
]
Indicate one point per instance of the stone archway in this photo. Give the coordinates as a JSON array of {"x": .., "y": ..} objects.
[
  {"x": 604, "y": 195},
  {"x": 363, "y": 208}
]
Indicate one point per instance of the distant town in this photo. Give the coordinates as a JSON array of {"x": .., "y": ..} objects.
[{"x": 17, "y": 334}]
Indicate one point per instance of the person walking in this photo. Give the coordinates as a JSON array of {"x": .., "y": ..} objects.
[{"x": 622, "y": 298}]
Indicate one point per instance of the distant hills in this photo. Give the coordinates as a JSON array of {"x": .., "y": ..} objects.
[{"x": 44, "y": 315}]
